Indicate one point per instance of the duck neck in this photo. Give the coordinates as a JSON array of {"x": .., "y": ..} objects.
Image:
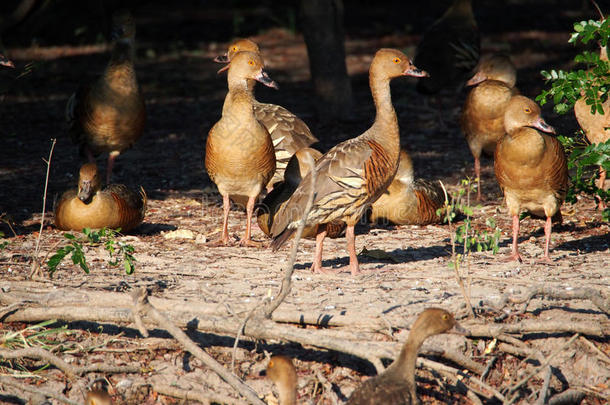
[
  {"x": 386, "y": 123},
  {"x": 239, "y": 100},
  {"x": 120, "y": 73},
  {"x": 288, "y": 393},
  {"x": 404, "y": 366}
]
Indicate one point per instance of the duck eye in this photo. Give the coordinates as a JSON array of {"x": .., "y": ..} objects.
[
  {"x": 251, "y": 62},
  {"x": 527, "y": 110},
  {"x": 270, "y": 364},
  {"x": 445, "y": 317},
  {"x": 396, "y": 60},
  {"x": 234, "y": 49}
]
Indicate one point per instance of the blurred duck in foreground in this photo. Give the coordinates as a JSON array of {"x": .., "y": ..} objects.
[
  {"x": 408, "y": 201},
  {"x": 353, "y": 174},
  {"x": 596, "y": 126},
  {"x": 98, "y": 395},
  {"x": 4, "y": 61},
  {"x": 396, "y": 385},
  {"x": 288, "y": 132},
  {"x": 531, "y": 168},
  {"x": 239, "y": 155},
  {"x": 108, "y": 115},
  {"x": 283, "y": 374},
  {"x": 90, "y": 206},
  {"x": 449, "y": 50},
  {"x": 298, "y": 166},
  {"x": 482, "y": 117}
]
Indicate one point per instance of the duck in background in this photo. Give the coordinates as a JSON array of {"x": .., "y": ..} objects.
[
  {"x": 281, "y": 371},
  {"x": 91, "y": 206},
  {"x": 531, "y": 168},
  {"x": 408, "y": 201},
  {"x": 448, "y": 51},
  {"x": 109, "y": 115},
  {"x": 288, "y": 132},
  {"x": 239, "y": 154},
  {"x": 482, "y": 119}
]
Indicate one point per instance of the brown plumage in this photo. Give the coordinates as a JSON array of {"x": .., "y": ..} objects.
[
  {"x": 283, "y": 374},
  {"x": 596, "y": 126},
  {"x": 108, "y": 115},
  {"x": 298, "y": 166},
  {"x": 482, "y": 117},
  {"x": 239, "y": 155},
  {"x": 90, "y": 206},
  {"x": 396, "y": 385},
  {"x": 449, "y": 49},
  {"x": 288, "y": 132},
  {"x": 353, "y": 174},
  {"x": 408, "y": 201},
  {"x": 531, "y": 168}
]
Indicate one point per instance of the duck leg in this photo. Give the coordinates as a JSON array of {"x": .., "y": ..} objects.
[
  {"x": 547, "y": 235},
  {"x": 477, "y": 173},
  {"x": 316, "y": 266},
  {"x": 515, "y": 251},
  {"x": 111, "y": 158},
  {"x": 602, "y": 180},
  {"x": 351, "y": 248},
  {"x": 247, "y": 241},
  {"x": 226, "y": 207}
]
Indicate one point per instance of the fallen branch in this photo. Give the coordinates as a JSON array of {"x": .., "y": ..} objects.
[
  {"x": 535, "y": 325},
  {"x": 145, "y": 307},
  {"x": 567, "y": 397},
  {"x": 70, "y": 371},
  {"x": 525, "y": 379},
  {"x": 193, "y": 395},
  {"x": 28, "y": 388},
  {"x": 545, "y": 386}
]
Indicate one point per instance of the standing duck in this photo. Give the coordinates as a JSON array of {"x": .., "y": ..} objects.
[
  {"x": 298, "y": 166},
  {"x": 288, "y": 132},
  {"x": 90, "y": 206},
  {"x": 353, "y": 174},
  {"x": 531, "y": 168},
  {"x": 596, "y": 126},
  {"x": 108, "y": 115},
  {"x": 396, "y": 385},
  {"x": 408, "y": 201},
  {"x": 482, "y": 117},
  {"x": 239, "y": 154},
  {"x": 283, "y": 374},
  {"x": 449, "y": 49}
]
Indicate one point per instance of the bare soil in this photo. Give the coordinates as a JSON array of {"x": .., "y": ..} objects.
[{"x": 184, "y": 98}]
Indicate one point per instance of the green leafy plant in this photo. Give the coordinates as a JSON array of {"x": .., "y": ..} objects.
[
  {"x": 33, "y": 335},
  {"x": 118, "y": 251},
  {"x": 592, "y": 82},
  {"x": 3, "y": 243}
]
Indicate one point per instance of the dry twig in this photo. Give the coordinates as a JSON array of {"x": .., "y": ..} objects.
[
  {"x": 165, "y": 323},
  {"x": 28, "y": 388},
  {"x": 192, "y": 395}
]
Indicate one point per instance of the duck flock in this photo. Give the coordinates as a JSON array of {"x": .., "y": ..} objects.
[{"x": 265, "y": 157}]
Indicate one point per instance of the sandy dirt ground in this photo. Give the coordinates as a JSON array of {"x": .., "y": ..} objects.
[{"x": 184, "y": 98}]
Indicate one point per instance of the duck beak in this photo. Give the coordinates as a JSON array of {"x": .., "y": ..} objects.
[
  {"x": 413, "y": 71},
  {"x": 476, "y": 79},
  {"x": 84, "y": 191},
  {"x": 459, "y": 329},
  {"x": 222, "y": 58},
  {"x": 264, "y": 78},
  {"x": 543, "y": 126},
  {"x": 222, "y": 69}
]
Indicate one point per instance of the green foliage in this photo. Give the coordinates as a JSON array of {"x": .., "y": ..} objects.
[
  {"x": 593, "y": 82},
  {"x": 118, "y": 251},
  {"x": 470, "y": 237},
  {"x": 584, "y": 160},
  {"x": 3, "y": 243},
  {"x": 33, "y": 335}
]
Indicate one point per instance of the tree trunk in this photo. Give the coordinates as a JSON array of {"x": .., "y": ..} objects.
[{"x": 322, "y": 26}]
